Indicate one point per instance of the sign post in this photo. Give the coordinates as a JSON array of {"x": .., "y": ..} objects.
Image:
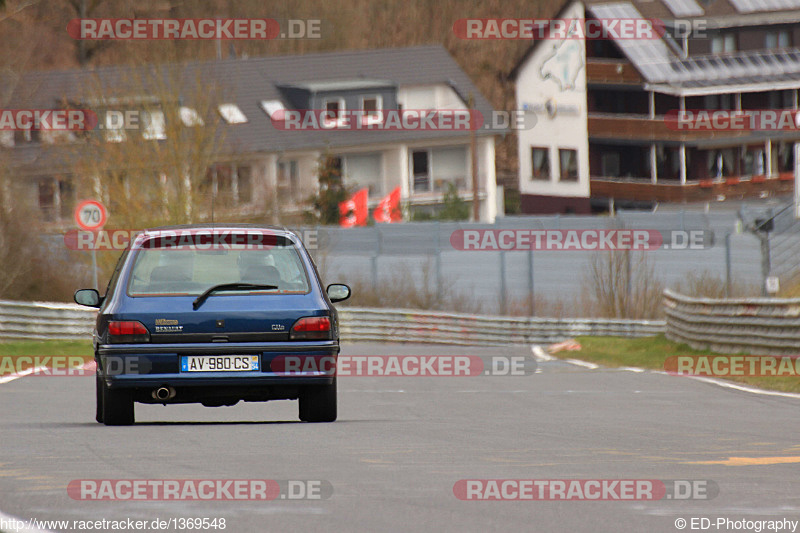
[
  {"x": 796, "y": 148},
  {"x": 91, "y": 215}
]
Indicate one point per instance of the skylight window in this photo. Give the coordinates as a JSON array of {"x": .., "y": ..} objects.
[
  {"x": 270, "y": 107},
  {"x": 190, "y": 117},
  {"x": 232, "y": 114}
]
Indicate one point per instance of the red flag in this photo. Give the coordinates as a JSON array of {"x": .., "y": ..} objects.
[
  {"x": 388, "y": 209},
  {"x": 354, "y": 212}
]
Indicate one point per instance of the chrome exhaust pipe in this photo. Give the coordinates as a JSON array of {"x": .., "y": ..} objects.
[{"x": 164, "y": 393}]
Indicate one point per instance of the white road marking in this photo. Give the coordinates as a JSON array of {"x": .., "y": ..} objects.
[
  {"x": 17, "y": 375},
  {"x": 578, "y": 362},
  {"x": 541, "y": 355},
  {"x": 88, "y": 366}
]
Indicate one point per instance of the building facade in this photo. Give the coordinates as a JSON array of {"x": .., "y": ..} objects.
[
  {"x": 616, "y": 103},
  {"x": 257, "y": 167}
]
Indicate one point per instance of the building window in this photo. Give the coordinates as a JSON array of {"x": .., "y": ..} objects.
[
  {"x": 232, "y": 114},
  {"x": 568, "y": 159},
  {"x": 540, "y": 163},
  {"x": 419, "y": 164},
  {"x": 725, "y": 42},
  {"x": 778, "y": 39},
  {"x": 190, "y": 117},
  {"x": 371, "y": 105},
  {"x": 781, "y": 99},
  {"x": 48, "y": 199},
  {"x": 26, "y": 136},
  {"x": 271, "y": 107},
  {"x": 244, "y": 185},
  {"x": 609, "y": 165},
  {"x": 153, "y": 125},
  {"x": 115, "y": 126},
  {"x": 718, "y": 101},
  {"x": 288, "y": 180},
  {"x": 334, "y": 107},
  {"x": 66, "y": 195}
]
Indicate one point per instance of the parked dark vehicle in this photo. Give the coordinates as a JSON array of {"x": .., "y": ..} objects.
[{"x": 204, "y": 314}]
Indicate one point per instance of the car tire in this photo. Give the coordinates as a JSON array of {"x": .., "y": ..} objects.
[
  {"x": 117, "y": 406},
  {"x": 98, "y": 388},
  {"x": 318, "y": 403}
]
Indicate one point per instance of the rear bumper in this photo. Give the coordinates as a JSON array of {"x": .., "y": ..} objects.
[{"x": 148, "y": 366}]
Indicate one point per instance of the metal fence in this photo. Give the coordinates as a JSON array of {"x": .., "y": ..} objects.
[
  {"x": 42, "y": 320},
  {"x": 537, "y": 282},
  {"x": 759, "y": 326}
]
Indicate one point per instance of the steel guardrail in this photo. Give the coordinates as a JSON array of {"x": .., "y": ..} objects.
[
  {"x": 758, "y": 326},
  {"x": 47, "y": 320}
]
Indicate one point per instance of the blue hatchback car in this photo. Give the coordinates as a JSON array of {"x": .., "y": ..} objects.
[{"x": 210, "y": 314}]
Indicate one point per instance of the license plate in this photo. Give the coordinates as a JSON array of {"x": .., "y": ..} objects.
[{"x": 219, "y": 363}]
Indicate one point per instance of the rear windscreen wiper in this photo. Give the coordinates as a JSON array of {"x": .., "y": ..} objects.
[{"x": 230, "y": 287}]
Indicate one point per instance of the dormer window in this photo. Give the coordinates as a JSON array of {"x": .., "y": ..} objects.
[
  {"x": 334, "y": 107},
  {"x": 372, "y": 105},
  {"x": 232, "y": 114},
  {"x": 778, "y": 39}
]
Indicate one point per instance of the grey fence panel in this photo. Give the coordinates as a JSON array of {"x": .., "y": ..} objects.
[
  {"x": 760, "y": 326},
  {"x": 41, "y": 320}
]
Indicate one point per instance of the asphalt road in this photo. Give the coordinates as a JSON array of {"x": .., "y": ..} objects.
[{"x": 401, "y": 444}]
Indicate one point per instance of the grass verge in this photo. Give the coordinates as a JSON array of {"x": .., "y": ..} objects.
[
  {"x": 12, "y": 351},
  {"x": 652, "y": 352}
]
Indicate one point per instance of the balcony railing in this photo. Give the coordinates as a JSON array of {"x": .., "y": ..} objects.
[
  {"x": 611, "y": 71},
  {"x": 644, "y": 128}
]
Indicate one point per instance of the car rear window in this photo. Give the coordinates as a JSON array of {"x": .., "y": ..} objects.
[{"x": 191, "y": 270}]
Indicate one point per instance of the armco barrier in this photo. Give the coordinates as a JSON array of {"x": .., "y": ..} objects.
[
  {"x": 43, "y": 320},
  {"x": 406, "y": 325},
  {"x": 759, "y": 326}
]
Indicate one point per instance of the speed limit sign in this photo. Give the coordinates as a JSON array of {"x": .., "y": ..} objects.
[{"x": 90, "y": 215}]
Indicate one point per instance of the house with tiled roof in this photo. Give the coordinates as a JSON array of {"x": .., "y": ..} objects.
[
  {"x": 258, "y": 167},
  {"x": 605, "y": 108}
]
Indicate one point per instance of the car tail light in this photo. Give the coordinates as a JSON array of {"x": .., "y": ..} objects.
[
  {"x": 127, "y": 331},
  {"x": 311, "y": 328}
]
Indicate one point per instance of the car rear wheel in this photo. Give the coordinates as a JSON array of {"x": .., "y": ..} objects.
[
  {"x": 117, "y": 406},
  {"x": 318, "y": 403}
]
